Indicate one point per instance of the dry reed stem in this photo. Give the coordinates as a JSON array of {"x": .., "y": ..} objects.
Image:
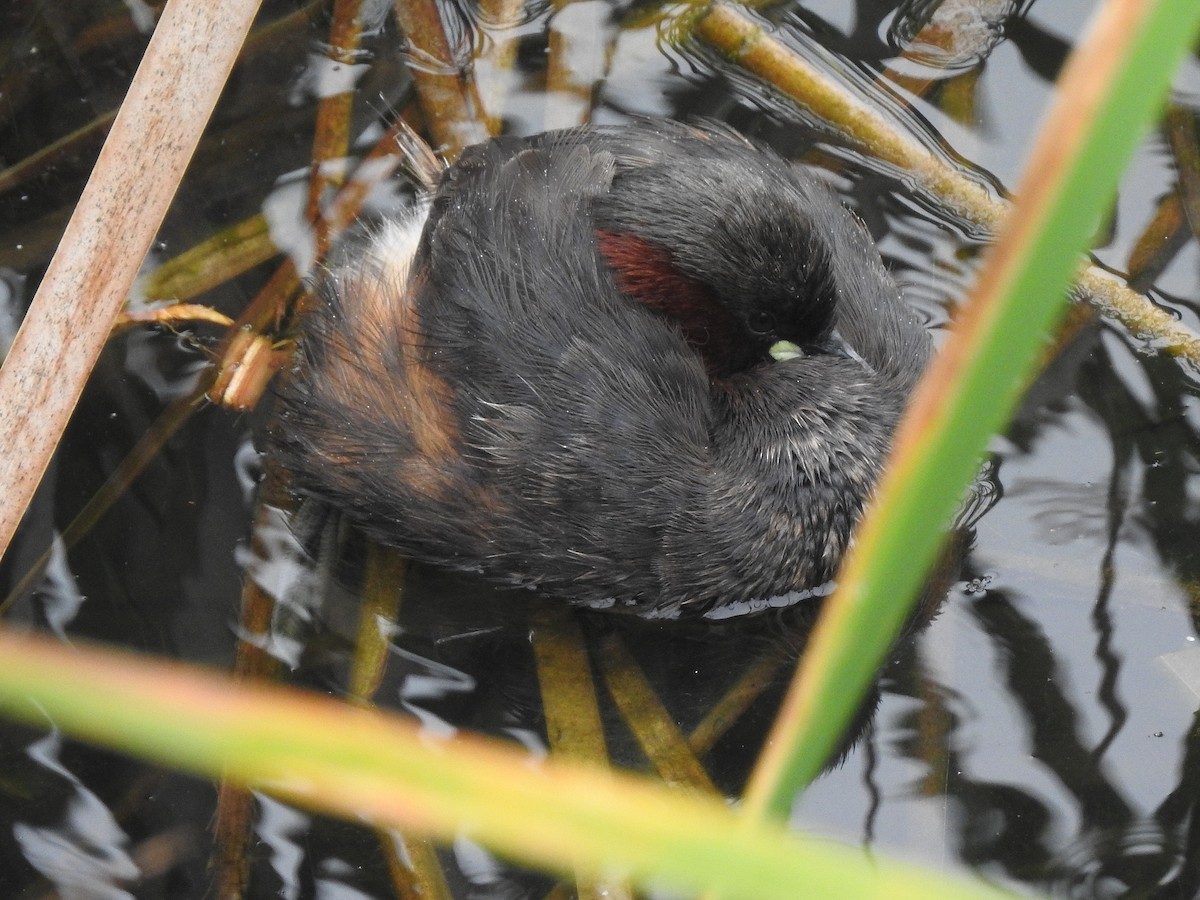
[
  {"x": 957, "y": 92},
  {"x": 1185, "y": 145},
  {"x": 247, "y": 367},
  {"x": 67, "y": 145},
  {"x": 382, "y": 592},
  {"x": 1163, "y": 237},
  {"x": 572, "y": 713},
  {"x": 420, "y": 877},
  {"x": 744, "y": 42},
  {"x": 494, "y": 65},
  {"x": 1147, "y": 323},
  {"x": 169, "y": 315},
  {"x": 502, "y": 15},
  {"x": 959, "y": 96},
  {"x": 118, "y": 27},
  {"x": 934, "y": 34},
  {"x": 378, "y": 165},
  {"x": 1177, "y": 216},
  {"x": 764, "y": 671},
  {"x": 570, "y": 708},
  {"x": 571, "y": 76},
  {"x": 447, "y": 94},
  {"x": 153, "y": 137},
  {"x": 568, "y": 96},
  {"x": 230, "y": 862},
  {"x": 169, "y": 421},
  {"x": 651, "y": 724},
  {"x": 233, "y": 250},
  {"x": 79, "y": 139},
  {"x": 934, "y": 728},
  {"x": 331, "y": 145},
  {"x": 331, "y": 138}
]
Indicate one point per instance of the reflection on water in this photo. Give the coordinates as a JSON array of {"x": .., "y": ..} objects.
[{"x": 1040, "y": 730}]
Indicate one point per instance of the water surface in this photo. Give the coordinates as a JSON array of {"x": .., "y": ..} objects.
[{"x": 1039, "y": 731}]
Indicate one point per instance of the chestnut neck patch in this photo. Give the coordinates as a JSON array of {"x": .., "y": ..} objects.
[{"x": 647, "y": 273}]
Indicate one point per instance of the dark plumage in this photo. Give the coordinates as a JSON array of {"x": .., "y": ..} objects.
[{"x": 570, "y": 388}]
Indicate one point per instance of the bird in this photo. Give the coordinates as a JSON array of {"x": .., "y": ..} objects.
[{"x": 649, "y": 367}]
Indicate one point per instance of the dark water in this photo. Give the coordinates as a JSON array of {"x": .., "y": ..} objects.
[{"x": 1040, "y": 731}]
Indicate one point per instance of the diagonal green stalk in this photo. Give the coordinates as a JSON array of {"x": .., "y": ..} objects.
[{"x": 1110, "y": 91}]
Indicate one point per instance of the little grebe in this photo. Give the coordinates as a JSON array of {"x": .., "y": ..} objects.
[{"x": 556, "y": 373}]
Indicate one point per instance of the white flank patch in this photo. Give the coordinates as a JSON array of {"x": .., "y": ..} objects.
[{"x": 396, "y": 243}]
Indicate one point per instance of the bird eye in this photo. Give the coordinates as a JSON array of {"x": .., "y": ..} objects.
[{"x": 761, "y": 322}]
